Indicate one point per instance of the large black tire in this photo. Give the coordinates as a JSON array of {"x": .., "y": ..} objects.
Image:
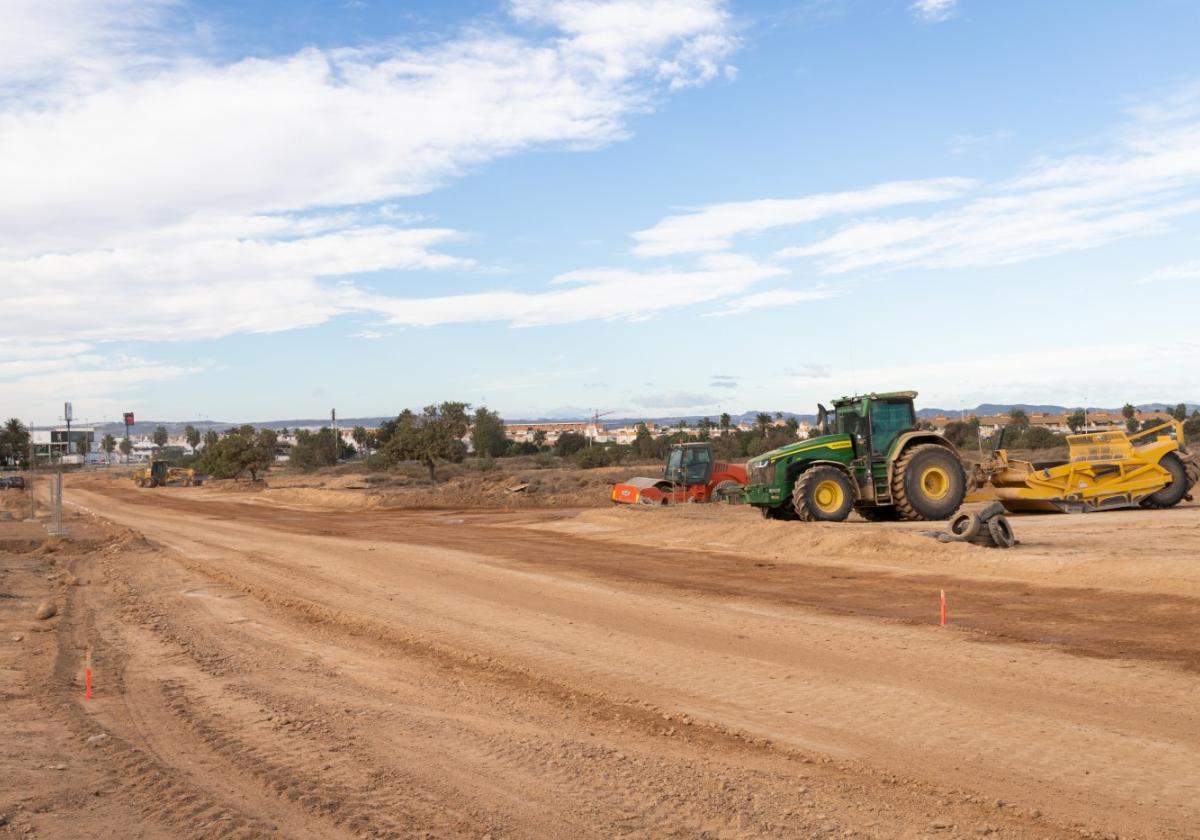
[
  {"x": 928, "y": 483},
  {"x": 823, "y": 494},
  {"x": 1174, "y": 492},
  {"x": 879, "y": 513}
]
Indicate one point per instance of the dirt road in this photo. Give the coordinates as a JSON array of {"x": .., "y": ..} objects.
[{"x": 378, "y": 673}]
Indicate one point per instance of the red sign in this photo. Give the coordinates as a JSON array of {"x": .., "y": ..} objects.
[{"x": 128, "y": 418}]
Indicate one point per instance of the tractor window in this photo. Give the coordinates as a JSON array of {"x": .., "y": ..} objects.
[
  {"x": 674, "y": 462},
  {"x": 696, "y": 465},
  {"x": 889, "y": 419}
]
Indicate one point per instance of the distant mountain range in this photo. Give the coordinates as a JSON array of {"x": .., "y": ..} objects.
[{"x": 173, "y": 427}]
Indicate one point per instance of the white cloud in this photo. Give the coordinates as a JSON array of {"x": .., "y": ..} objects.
[
  {"x": 1058, "y": 205},
  {"x": 153, "y": 198},
  {"x": 1174, "y": 273},
  {"x": 582, "y": 295},
  {"x": 933, "y": 11},
  {"x": 712, "y": 228},
  {"x": 772, "y": 299}
]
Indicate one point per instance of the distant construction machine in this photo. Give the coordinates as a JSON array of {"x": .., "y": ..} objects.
[
  {"x": 690, "y": 474},
  {"x": 160, "y": 474},
  {"x": 1103, "y": 471}
]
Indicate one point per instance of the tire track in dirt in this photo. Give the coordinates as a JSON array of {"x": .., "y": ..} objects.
[
  {"x": 1103, "y": 624},
  {"x": 305, "y": 613}
]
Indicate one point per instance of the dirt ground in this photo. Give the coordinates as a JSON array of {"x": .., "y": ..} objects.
[{"x": 297, "y": 664}]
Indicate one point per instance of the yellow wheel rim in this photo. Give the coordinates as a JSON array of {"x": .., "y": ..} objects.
[
  {"x": 935, "y": 483},
  {"x": 828, "y": 496}
]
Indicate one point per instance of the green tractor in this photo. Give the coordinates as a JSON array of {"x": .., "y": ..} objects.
[{"x": 869, "y": 457}]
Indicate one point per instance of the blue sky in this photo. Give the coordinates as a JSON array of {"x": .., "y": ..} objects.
[{"x": 251, "y": 211}]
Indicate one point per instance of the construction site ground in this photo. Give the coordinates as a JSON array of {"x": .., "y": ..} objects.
[{"x": 312, "y": 661}]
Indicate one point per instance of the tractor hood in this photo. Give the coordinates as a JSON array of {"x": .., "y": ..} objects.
[
  {"x": 836, "y": 441},
  {"x": 762, "y": 467}
]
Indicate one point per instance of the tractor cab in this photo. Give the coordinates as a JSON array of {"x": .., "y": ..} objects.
[
  {"x": 689, "y": 464},
  {"x": 872, "y": 422}
]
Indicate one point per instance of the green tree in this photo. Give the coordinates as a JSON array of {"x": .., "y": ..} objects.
[
  {"x": 591, "y": 457},
  {"x": 963, "y": 433},
  {"x": 433, "y": 435},
  {"x": 643, "y": 441},
  {"x": 1191, "y": 426},
  {"x": 361, "y": 437},
  {"x": 1180, "y": 412},
  {"x": 1077, "y": 420},
  {"x": 108, "y": 445},
  {"x": 192, "y": 435},
  {"x": 160, "y": 436},
  {"x": 126, "y": 448},
  {"x": 487, "y": 434},
  {"x": 239, "y": 451},
  {"x": 762, "y": 422},
  {"x": 1130, "y": 413},
  {"x": 539, "y": 438},
  {"x": 14, "y": 442},
  {"x": 210, "y": 438},
  {"x": 1017, "y": 417},
  {"x": 569, "y": 443},
  {"x": 726, "y": 423},
  {"x": 1039, "y": 437},
  {"x": 704, "y": 427},
  {"x": 315, "y": 450},
  {"x": 82, "y": 447}
]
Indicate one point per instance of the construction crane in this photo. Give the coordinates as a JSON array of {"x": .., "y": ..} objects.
[{"x": 596, "y": 415}]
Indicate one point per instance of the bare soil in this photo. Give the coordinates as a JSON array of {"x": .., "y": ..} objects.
[{"x": 299, "y": 666}]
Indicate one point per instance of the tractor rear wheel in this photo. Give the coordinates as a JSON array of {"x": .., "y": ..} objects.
[
  {"x": 823, "y": 494},
  {"x": 1174, "y": 492},
  {"x": 928, "y": 482}
]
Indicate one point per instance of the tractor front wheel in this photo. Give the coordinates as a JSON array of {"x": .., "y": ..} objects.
[
  {"x": 1174, "y": 492},
  {"x": 928, "y": 482},
  {"x": 823, "y": 494}
]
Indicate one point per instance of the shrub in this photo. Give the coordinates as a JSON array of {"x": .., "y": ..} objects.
[{"x": 592, "y": 457}]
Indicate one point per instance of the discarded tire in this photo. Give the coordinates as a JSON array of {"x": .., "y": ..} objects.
[
  {"x": 1001, "y": 532},
  {"x": 966, "y": 526},
  {"x": 989, "y": 510}
]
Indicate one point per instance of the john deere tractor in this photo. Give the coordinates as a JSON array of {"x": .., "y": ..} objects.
[{"x": 870, "y": 457}]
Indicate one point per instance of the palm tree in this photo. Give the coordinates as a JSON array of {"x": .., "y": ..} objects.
[
  {"x": 726, "y": 423},
  {"x": 763, "y": 422},
  {"x": 108, "y": 443},
  {"x": 1019, "y": 418}
]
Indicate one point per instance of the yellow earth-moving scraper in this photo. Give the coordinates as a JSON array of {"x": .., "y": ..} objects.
[{"x": 1104, "y": 470}]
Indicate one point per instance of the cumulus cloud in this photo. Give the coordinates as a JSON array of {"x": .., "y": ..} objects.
[
  {"x": 933, "y": 11},
  {"x": 194, "y": 173},
  {"x": 168, "y": 196}
]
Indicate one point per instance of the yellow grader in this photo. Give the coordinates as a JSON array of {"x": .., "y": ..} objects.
[
  {"x": 160, "y": 474},
  {"x": 1103, "y": 470}
]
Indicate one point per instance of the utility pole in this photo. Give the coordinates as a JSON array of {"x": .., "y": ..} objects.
[{"x": 333, "y": 423}]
